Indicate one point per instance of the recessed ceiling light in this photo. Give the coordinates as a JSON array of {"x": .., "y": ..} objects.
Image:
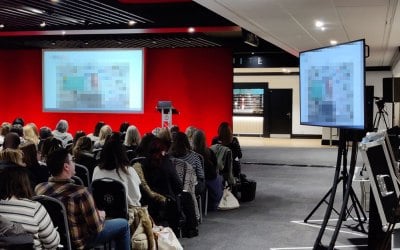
[
  {"x": 42, "y": 24},
  {"x": 323, "y": 28},
  {"x": 319, "y": 24},
  {"x": 54, "y": 1},
  {"x": 131, "y": 22},
  {"x": 333, "y": 42},
  {"x": 191, "y": 30},
  {"x": 63, "y": 32},
  {"x": 1, "y": 26}
]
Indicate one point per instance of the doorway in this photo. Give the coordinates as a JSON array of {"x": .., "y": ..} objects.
[{"x": 280, "y": 112}]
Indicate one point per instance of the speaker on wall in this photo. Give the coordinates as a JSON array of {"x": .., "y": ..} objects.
[{"x": 391, "y": 89}]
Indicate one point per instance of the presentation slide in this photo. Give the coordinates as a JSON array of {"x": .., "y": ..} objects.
[
  {"x": 332, "y": 82},
  {"x": 93, "y": 80}
]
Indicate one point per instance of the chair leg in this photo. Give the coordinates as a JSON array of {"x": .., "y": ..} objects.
[
  {"x": 199, "y": 203},
  {"x": 206, "y": 202}
]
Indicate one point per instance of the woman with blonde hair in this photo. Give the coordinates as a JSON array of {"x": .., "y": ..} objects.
[
  {"x": 132, "y": 141},
  {"x": 105, "y": 132},
  {"x": 31, "y": 133}
]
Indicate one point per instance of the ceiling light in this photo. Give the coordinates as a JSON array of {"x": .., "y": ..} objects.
[
  {"x": 34, "y": 10},
  {"x": 1, "y": 26},
  {"x": 131, "y": 22},
  {"x": 191, "y": 30},
  {"x": 43, "y": 24},
  {"x": 319, "y": 24},
  {"x": 333, "y": 42},
  {"x": 54, "y": 1},
  {"x": 323, "y": 28},
  {"x": 63, "y": 32}
]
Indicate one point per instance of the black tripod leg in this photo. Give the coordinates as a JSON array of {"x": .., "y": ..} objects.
[
  {"x": 357, "y": 206},
  {"x": 342, "y": 145},
  {"x": 317, "y": 206},
  {"x": 347, "y": 193}
]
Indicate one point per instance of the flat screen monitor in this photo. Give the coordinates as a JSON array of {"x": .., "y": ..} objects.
[
  {"x": 332, "y": 84},
  {"x": 93, "y": 80}
]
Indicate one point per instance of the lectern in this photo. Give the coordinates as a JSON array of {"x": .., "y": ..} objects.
[{"x": 167, "y": 110}]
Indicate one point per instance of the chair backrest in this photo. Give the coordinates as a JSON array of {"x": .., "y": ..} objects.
[
  {"x": 139, "y": 159},
  {"x": 77, "y": 180},
  {"x": 58, "y": 215},
  {"x": 110, "y": 196},
  {"x": 82, "y": 172}
]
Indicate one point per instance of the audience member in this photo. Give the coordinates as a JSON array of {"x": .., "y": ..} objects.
[
  {"x": 16, "y": 206},
  {"x": 214, "y": 181},
  {"x": 114, "y": 164},
  {"x": 87, "y": 224},
  {"x": 61, "y": 133},
  {"x": 37, "y": 172},
  {"x": 11, "y": 140},
  {"x": 225, "y": 137},
  {"x": 17, "y": 128},
  {"x": 48, "y": 146},
  {"x": 4, "y": 129},
  {"x": 95, "y": 135},
  {"x": 165, "y": 135},
  {"x": 19, "y": 121},
  {"x": 83, "y": 154},
  {"x": 162, "y": 178},
  {"x": 31, "y": 133},
  {"x": 122, "y": 129},
  {"x": 132, "y": 141},
  {"x": 189, "y": 133},
  {"x": 105, "y": 132},
  {"x": 180, "y": 149},
  {"x": 10, "y": 156}
]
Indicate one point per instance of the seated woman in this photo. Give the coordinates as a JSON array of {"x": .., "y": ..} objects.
[
  {"x": 37, "y": 172},
  {"x": 132, "y": 141},
  {"x": 114, "y": 164},
  {"x": 214, "y": 180},
  {"x": 61, "y": 133},
  {"x": 163, "y": 183},
  {"x": 83, "y": 154},
  {"x": 105, "y": 132},
  {"x": 16, "y": 206}
]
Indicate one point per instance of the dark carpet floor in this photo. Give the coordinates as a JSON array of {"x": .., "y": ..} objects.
[{"x": 290, "y": 183}]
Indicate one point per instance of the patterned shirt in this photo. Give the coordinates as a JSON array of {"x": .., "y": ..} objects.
[
  {"x": 34, "y": 219},
  {"x": 83, "y": 219}
]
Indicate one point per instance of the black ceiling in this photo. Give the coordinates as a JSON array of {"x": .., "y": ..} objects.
[{"x": 104, "y": 24}]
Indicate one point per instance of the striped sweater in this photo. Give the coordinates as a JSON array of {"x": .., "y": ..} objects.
[{"x": 34, "y": 219}]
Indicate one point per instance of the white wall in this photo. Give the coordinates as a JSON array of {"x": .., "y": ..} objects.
[{"x": 373, "y": 78}]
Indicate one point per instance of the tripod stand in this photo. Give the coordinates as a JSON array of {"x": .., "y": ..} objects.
[
  {"x": 348, "y": 191},
  {"x": 378, "y": 116}
]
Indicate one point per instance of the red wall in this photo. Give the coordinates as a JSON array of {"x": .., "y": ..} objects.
[{"x": 198, "y": 82}]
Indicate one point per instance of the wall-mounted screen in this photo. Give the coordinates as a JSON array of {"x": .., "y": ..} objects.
[
  {"x": 93, "y": 80},
  {"x": 248, "y": 100},
  {"x": 332, "y": 82}
]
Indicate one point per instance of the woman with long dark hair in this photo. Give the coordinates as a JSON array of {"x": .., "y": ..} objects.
[
  {"x": 16, "y": 206},
  {"x": 115, "y": 164}
]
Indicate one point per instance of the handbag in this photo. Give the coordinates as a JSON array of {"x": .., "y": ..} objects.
[
  {"x": 141, "y": 224},
  {"x": 166, "y": 238},
  {"x": 228, "y": 200}
]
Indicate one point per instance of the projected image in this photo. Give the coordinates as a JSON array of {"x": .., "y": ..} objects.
[
  {"x": 330, "y": 93},
  {"x": 103, "y": 86},
  {"x": 93, "y": 80},
  {"x": 248, "y": 101}
]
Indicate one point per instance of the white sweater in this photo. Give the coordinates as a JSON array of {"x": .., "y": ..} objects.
[{"x": 131, "y": 182}]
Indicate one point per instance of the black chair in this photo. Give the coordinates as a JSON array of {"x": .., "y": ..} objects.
[
  {"x": 58, "y": 215},
  {"x": 139, "y": 159},
  {"x": 77, "y": 180},
  {"x": 83, "y": 173},
  {"x": 110, "y": 196}
]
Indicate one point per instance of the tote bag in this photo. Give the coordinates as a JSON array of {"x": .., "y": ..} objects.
[{"x": 228, "y": 201}]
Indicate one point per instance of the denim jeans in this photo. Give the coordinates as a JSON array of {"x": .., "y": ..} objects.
[{"x": 116, "y": 230}]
